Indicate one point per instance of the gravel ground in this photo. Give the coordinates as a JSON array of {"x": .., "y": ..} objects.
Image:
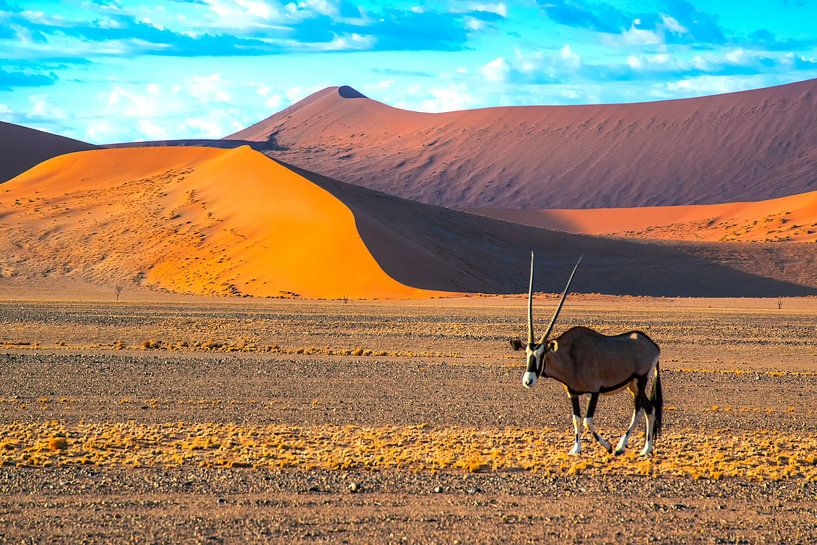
[{"x": 446, "y": 365}]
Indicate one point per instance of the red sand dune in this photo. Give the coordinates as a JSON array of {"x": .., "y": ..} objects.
[
  {"x": 230, "y": 222},
  {"x": 785, "y": 219},
  {"x": 746, "y": 146},
  {"x": 22, "y": 148}
]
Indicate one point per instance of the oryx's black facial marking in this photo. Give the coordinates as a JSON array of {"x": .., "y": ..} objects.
[{"x": 533, "y": 360}]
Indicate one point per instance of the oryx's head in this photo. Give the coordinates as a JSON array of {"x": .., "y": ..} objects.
[{"x": 536, "y": 352}]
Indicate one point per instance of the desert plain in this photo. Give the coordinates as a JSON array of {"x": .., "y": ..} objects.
[{"x": 207, "y": 421}]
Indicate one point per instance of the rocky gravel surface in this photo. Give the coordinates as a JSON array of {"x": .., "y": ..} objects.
[{"x": 724, "y": 369}]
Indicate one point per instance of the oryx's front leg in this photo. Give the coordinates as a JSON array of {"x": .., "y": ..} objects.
[
  {"x": 588, "y": 423},
  {"x": 637, "y": 388},
  {"x": 577, "y": 424}
]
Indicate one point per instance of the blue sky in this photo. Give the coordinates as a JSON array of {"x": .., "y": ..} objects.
[{"x": 115, "y": 70}]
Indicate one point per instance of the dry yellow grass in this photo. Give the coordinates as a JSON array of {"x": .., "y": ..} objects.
[{"x": 718, "y": 454}]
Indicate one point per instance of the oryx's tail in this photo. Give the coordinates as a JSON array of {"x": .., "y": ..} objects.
[{"x": 657, "y": 400}]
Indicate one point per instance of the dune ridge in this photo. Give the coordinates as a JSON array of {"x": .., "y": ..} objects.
[
  {"x": 23, "y": 148},
  {"x": 786, "y": 219},
  {"x": 746, "y": 146},
  {"x": 189, "y": 220}
]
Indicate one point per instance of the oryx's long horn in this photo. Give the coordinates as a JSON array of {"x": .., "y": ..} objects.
[
  {"x": 561, "y": 302},
  {"x": 530, "y": 302}
]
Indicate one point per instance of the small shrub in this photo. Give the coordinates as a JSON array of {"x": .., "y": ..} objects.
[{"x": 58, "y": 443}]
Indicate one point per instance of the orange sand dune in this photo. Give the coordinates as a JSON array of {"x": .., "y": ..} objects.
[
  {"x": 21, "y": 148},
  {"x": 791, "y": 218},
  {"x": 190, "y": 220},
  {"x": 745, "y": 146}
]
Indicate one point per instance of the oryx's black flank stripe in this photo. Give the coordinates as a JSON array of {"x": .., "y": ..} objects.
[{"x": 620, "y": 384}]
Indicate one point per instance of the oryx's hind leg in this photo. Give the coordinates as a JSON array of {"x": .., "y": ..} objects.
[
  {"x": 638, "y": 388},
  {"x": 577, "y": 424},
  {"x": 588, "y": 423},
  {"x": 649, "y": 436},
  {"x": 654, "y": 409}
]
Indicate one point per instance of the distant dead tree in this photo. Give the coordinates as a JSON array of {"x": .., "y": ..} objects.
[
  {"x": 118, "y": 289},
  {"x": 779, "y": 303}
]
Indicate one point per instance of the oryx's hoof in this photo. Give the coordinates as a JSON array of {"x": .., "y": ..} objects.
[
  {"x": 576, "y": 450},
  {"x": 619, "y": 451},
  {"x": 645, "y": 452},
  {"x": 608, "y": 447}
]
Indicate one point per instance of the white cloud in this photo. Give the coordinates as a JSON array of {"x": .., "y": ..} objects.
[
  {"x": 474, "y": 24},
  {"x": 385, "y": 84},
  {"x": 346, "y": 42},
  {"x": 100, "y": 130},
  {"x": 653, "y": 62},
  {"x": 204, "y": 127},
  {"x": 446, "y": 99},
  {"x": 497, "y": 70},
  {"x": 257, "y": 9},
  {"x": 273, "y": 101},
  {"x": 41, "y": 107},
  {"x": 638, "y": 36},
  {"x": 122, "y": 102},
  {"x": 570, "y": 57},
  {"x": 672, "y": 24},
  {"x": 294, "y": 94},
  {"x": 737, "y": 56},
  {"x": 321, "y": 7},
  {"x": 243, "y": 13},
  {"x": 499, "y": 9},
  {"x": 151, "y": 130},
  {"x": 700, "y": 63},
  {"x": 209, "y": 88},
  {"x": 706, "y": 84}
]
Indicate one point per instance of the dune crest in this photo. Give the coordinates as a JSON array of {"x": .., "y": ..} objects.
[
  {"x": 189, "y": 220},
  {"x": 746, "y": 146},
  {"x": 787, "y": 219}
]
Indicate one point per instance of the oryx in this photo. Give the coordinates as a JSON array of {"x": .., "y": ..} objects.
[{"x": 587, "y": 362}]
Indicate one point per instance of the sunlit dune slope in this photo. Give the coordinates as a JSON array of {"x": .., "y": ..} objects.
[
  {"x": 21, "y": 148},
  {"x": 745, "y": 146},
  {"x": 791, "y": 218},
  {"x": 190, "y": 220}
]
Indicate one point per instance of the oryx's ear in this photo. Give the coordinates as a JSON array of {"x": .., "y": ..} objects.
[
  {"x": 516, "y": 344},
  {"x": 553, "y": 346}
]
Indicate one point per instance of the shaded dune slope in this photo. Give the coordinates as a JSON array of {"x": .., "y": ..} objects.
[
  {"x": 190, "y": 220},
  {"x": 23, "y": 148},
  {"x": 744, "y": 146},
  {"x": 441, "y": 249},
  {"x": 792, "y": 218}
]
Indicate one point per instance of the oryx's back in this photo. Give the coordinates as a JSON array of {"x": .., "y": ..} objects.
[{"x": 609, "y": 361}]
